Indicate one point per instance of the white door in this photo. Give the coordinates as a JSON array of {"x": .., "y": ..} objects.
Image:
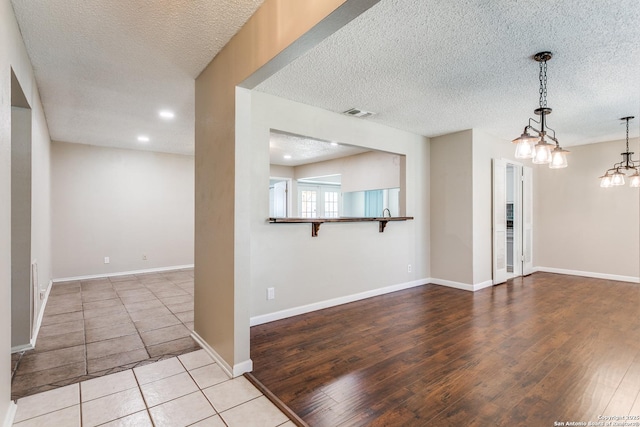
[
  {"x": 280, "y": 199},
  {"x": 499, "y": 221},
  {"x": 523, "y": 222},
  {"x": 527, "y": 221}
]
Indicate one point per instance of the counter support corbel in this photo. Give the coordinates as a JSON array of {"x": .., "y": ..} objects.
[{"x": 316, "y": 222}]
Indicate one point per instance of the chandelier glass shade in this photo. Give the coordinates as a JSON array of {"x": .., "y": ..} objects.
[
  {"x": 616, "y": 175},
  {"x": 532, "y": 144}
]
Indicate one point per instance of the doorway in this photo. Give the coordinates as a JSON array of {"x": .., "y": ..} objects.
[
  {"x": 512, "y": 220},
  {"x": 513, "y": 268},
  {"x": 279, "y": 200}
]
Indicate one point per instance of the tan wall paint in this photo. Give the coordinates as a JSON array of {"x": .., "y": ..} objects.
[
  {"x": 13, "y": 55},
  {"x": 485, "y": 148},
  {"x": 123, "y": 204},
  {"x": 279, "y": 171},
  {"x": 579, "y": 226},
  {"x": 21, "y": 293},
  {"x": 277, "y": 26},
  {"x": 452, "y": 207},
  {"x": 461, "y": 207}
]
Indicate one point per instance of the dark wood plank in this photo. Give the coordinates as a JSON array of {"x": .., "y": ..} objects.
[
  {"x": 536, "y": 350},
  {"x": 293, "y": 417}
]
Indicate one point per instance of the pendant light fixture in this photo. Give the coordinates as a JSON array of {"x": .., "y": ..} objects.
[
  {"x": 615, "y": 176},
  {"x": 535, "y": 146}
]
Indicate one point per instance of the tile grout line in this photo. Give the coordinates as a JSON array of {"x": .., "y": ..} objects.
[
  {"x": 86, "y": 358},
  {"x": 81, "y": 290},
  {"x": 130, "y": 318},
  {"x": 15, "y": 370},
  {"x": 143, "y": 398},
  {"x": 149, "y": 288},
  {"x": 290, "y": 414},
  {"x": 202, "y": 392},
  {"x": 138, "y": 386},
  {"x": 22, "y": 354},
  {"x": 80, "y": 402},
  {"x": 84, "y": 333},
  {"x": 234, "y": 406}
]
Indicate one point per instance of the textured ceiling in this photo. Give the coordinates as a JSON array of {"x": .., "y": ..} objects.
[
  {"x": 305, "y": 150},
  {"x": 435, "y": 67},
  {"x": 105, "y": 68}
]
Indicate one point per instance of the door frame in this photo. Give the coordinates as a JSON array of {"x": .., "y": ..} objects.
[
  {"x": 523, "y": 220},
  {"x": 289, "y": 192}
]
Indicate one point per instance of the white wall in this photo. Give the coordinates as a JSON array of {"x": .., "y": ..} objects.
[
  {"x": 122, "y": 204},
  {"x": 345, "y": 259},
  {"x": 41, "y": 227},
  {"x": 13, "y": 55},
  {"x": 581, "y": 227},
  {"x": 373, "y": 170}
]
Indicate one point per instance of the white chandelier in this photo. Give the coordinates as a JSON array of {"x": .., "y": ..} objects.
[
  {"x": 614, "y": 177},
  {"x": 535, "y": 147}
]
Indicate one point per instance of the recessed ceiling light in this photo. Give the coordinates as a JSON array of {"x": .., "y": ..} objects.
[
  {"x": 166, "y": 114},
  {"x": 143, "y": 138},
  {"x": 287, "y": 156},
  {"x": 335, "y": 144}
]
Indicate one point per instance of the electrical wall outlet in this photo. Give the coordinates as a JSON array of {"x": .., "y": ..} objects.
[
  {"x": 271, "y": 293},
  {"x": 106, "y": 260},
  {"x": 42, "y": 294},
  {"x": 144, "y": 257},
  {"x": 409, "y": 268}
]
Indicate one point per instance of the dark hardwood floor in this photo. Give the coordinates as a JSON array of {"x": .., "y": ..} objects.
[{"x": 541, "y": 349}]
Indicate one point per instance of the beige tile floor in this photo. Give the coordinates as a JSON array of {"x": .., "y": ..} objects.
[
  {"x": 188, "y": 390},
  {"x": 101, "y": 326}
]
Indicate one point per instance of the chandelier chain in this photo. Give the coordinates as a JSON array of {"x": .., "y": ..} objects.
[
  {"x": 543, "y": 84},
  {"x": 627, "y": 135}
]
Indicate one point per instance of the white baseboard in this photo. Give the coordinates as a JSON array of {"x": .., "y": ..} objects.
[
  {"x": 41, "y": 314},
  {"x": 232, "y": 372},
  {"x": 32, "y": 342},
  {"x": 242, "y": 368},
  {"x": 589, "y": 274},
  {"x": 22, "y": 347},
  {"x": 11, "y": 414},
  {"x": 123, "y": 273},
  {"x": 482, "y": 285},
  {"x": 295, "y": 311},
  {"x": 452, "y": 284}
]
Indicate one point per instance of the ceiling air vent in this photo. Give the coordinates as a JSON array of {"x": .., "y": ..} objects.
[{"x": 357, "y": 113}]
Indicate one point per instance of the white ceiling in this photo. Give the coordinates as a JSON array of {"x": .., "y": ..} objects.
[
  {"x": 105, "y": 68},
  {"x": 434, "y": 67},
  {"x": 303, "y": 149}
]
